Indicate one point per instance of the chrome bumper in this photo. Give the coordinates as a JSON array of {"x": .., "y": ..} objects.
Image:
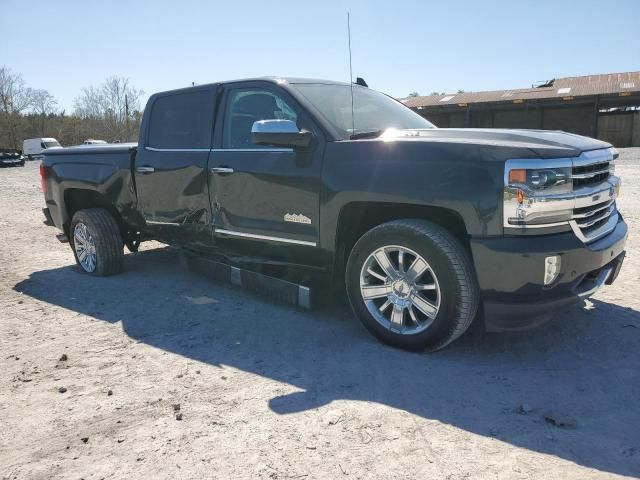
[{"x": 599, "y": 281}]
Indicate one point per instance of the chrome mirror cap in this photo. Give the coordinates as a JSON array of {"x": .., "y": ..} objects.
[
  {"x": 274, "y": 126},
  {"x": 280, "y": 133}
]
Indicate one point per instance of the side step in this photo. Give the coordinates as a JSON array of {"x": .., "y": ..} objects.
[{"x": 272, "y": 287}]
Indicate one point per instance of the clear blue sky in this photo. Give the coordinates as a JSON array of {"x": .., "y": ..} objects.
[{"x": 398, "y": 46}]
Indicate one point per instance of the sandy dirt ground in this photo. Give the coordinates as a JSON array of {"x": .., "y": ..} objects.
[{"x": 160, "y": 373}]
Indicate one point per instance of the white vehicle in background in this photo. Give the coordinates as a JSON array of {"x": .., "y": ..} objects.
[
  {"x": 34, "y": 147},
  {"x": 91, "y": 141}
]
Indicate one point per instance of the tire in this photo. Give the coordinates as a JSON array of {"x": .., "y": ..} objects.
[
  {"x": 426, "y": 312},
  {"x": 101, "y": 238}
]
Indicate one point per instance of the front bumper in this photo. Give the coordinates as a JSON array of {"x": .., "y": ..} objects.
[{"x": 510, "y": 274}]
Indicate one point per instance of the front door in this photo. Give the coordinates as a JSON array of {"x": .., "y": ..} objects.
[
  {"x": 265, "y": 200},
  {"x": 171, "y": 168}
]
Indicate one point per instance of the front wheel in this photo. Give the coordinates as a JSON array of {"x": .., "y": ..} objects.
[
  {"x": 412, "y": 284},
  {"x": 96, "y": 242}
]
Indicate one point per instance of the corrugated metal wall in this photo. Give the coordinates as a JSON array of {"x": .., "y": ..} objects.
[
  {"x": 577, "y": 119},
  {"x": 621, "y": 129},
  {"x": 617, "y": 128}
]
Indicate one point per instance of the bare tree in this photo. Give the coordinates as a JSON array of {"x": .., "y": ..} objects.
[
  {"x": 115, "y": 102},
  {"x": 90, "y": 103},
  {"x": 111, "y": 111},
  {"x": 15, "y": 98},
  {"x": 43, "y": 104},
  {"x": 414, "y": 94}
]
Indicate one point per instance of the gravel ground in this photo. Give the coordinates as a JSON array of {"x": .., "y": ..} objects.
[{"x": 159, "y": 373}]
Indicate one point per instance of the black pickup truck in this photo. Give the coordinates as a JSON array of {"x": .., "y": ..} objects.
[
  {"x": 343, "y": 185},
  {"x": 11, "y": 157}
]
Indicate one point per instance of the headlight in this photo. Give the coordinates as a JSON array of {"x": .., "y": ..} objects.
[
  {"x": 542, "y": 179},
  {"x": 536, "y": 196}
]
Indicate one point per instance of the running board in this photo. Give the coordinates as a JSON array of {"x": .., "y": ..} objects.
[{"x": 272, "y": 287}]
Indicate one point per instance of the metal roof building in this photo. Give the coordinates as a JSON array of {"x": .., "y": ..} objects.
[{"x": 601, "y": 106}]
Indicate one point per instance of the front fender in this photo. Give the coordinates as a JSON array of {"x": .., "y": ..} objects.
[{"x": 465, "y": 179}]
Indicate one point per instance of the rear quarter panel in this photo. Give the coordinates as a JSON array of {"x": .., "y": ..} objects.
[{"x": 105, "y": 170}]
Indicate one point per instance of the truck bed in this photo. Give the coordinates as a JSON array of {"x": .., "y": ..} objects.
[
  {"x": 89, "y": 150},
  {"x": 104, "y": 170}
]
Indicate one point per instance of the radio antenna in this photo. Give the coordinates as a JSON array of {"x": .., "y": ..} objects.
[{"x": 353, "y": 122}]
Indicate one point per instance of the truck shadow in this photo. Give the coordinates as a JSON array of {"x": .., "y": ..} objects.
[{"x": 583, "y": 366}]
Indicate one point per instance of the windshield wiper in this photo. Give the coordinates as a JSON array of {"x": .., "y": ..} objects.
[{"x": 366, "y": 134}]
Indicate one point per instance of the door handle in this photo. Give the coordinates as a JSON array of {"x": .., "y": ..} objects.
[
  {"x": 222, "y": 170},
  {"x": 145, "y": 169}
]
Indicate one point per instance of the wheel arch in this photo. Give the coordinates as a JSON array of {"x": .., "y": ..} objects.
[
  {"x": 82, "y": 198},
  {"x": 357, "y": 218}
]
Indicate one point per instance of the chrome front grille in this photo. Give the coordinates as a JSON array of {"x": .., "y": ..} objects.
[
  {"x": 590, "y": 174},
  {"x": 590, "y": 219},
  {"x": 587, "y": 216},
  {"x": 595, "y": 213}
]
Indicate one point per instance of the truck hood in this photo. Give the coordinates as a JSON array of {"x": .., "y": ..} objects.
[{"x": 545, "y": 143}]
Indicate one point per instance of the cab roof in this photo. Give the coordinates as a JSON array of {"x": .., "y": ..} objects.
[{"x": 271, "y": 79}]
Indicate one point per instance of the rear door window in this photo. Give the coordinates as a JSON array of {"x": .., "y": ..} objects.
[{"x": 182, "y": 121}]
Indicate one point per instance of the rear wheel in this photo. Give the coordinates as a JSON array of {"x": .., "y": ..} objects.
[
  {"x": 412, "y": 284},
  {"x": 96, "y": 242}
]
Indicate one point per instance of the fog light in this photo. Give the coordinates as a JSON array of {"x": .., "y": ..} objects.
[{"x": 551, "y": 269}]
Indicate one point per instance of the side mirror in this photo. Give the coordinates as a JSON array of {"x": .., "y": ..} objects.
[{"x": 280, "y": 133}]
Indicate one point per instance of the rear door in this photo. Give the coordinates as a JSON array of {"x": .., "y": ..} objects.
[
  {"x": 265, "y": 199},
  {"x": 171, "y": 169}
]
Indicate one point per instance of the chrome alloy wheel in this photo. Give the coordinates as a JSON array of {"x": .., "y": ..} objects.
[
  {"x": 85, "y": 247},
  {"x": 400, "y": 289}
]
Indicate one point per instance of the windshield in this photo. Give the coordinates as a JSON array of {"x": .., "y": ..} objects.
[
  {"x": 372, "y": 111},
  {"x": 50, "y": 144}
]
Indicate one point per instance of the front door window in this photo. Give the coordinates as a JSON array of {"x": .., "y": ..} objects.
[{"x": 244, "y": 107}]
